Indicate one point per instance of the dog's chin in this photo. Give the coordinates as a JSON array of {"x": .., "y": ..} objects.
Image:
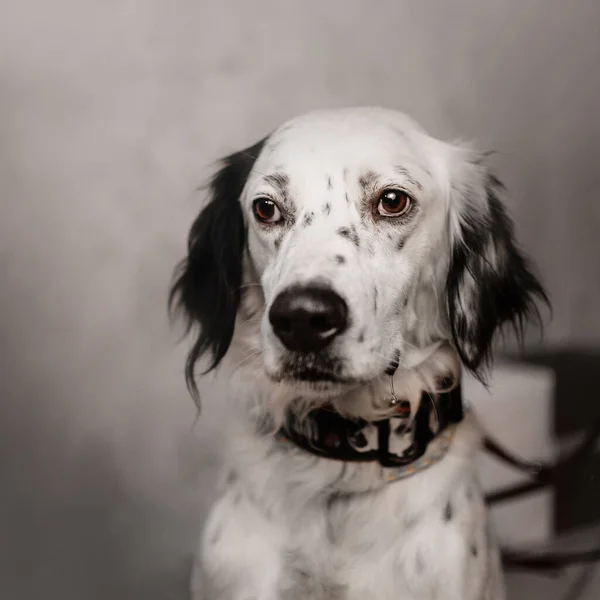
[{"x": 315, "y": 383}]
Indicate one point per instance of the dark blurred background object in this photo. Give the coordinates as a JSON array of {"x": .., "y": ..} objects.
[{"x": 576, "y": 410}]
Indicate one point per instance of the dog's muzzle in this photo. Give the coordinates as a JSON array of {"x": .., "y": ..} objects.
[{"x": 306, "y": 319}]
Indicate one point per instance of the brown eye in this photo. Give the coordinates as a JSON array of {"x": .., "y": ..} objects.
[
  {"x": 266, "y": 211},
  {"x": 393, "y": 203}
]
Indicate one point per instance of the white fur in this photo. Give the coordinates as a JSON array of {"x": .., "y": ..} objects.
[{"x": 289, "y": 525}]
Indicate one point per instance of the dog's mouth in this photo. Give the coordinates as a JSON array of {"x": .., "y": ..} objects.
[
  {"x": 325, "y": 374},
  {"x": 317, "y": 376}
]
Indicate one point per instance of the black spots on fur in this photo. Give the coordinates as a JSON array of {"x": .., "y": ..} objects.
[
  {"x": 350, "y": 234},
  {"x": 394, "y": 363},
  {"x": 448, "y": 512},
  {"x": 308, "y": 218},
  {"x": 277, "y": 242},
  {"x": 327, "y": 209},
  {"x": 304, "y": 578},
  {"x": 329, "y": 183},
  {"x": 490, "y": 282},
  {"x": 367, "y": 181},
  {"x": 396, "y": 239},
  {"x": 404, "y": 173},
  {"x": 473, "y": 549},
  {"x": 339, "y": 259},
  {"x": 208, "y": 281},
  {"x": 347, "y": 198},
  {"x": 232, "y": 477},
  {"x": 401, "y": 302},
  {"x": 280, "y": 181},
  {"x": 375, "y": 299},
  {"x": 361, "y": 337}
]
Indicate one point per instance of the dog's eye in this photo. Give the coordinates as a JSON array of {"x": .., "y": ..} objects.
[
  {"x": 266, "y": 211},
  {"x": 393, "y": 203}
]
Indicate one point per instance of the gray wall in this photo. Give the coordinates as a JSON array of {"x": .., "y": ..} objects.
[{"x": 110, "y": 113}]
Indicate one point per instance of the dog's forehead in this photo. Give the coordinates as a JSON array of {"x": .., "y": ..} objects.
[{"x": 350, "y": 140}]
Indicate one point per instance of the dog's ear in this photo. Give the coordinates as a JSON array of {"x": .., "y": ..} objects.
[
  {"x": 207, "y": 282},
  {"x": 490, "y": 282}
]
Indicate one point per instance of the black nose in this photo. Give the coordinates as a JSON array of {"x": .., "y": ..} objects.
[{"x": 306, "y": 319}]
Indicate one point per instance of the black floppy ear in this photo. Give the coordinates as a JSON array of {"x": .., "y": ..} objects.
[
  {"x": 207, "y": 282},
  {"x": 490, "y": 282}
]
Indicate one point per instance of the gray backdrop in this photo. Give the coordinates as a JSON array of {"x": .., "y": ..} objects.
[{"x": 111, "y": 113}]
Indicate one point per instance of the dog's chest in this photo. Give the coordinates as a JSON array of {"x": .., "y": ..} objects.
[
  {"x": 297, "y": 530},
  {"x": 369, "y": 554}
]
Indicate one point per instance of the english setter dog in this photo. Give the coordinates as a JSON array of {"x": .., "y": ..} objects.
[{"x": 344, "y": 270}]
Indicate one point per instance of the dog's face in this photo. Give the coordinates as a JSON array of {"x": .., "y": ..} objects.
[
  {"x": 347, "y": 219},
  {"x": 352, "y": 242}
]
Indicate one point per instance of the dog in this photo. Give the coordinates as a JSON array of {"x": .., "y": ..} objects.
[{"x": 344, "y": 271}]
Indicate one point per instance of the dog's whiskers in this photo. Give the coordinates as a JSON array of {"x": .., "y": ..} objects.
[
  {"x": 251, "y": 320},
  {"x": 253, "y": 354}
]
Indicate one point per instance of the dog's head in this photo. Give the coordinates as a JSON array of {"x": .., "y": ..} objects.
[{"x": 349, "y": 242}]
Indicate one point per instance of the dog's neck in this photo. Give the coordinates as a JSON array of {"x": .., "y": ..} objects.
[
  {"x": 404, "y": 443},
  {"x": 403, "y": 421}
]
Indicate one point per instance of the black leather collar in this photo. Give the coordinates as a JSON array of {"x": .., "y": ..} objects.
[{"x": 395, "y": 442}]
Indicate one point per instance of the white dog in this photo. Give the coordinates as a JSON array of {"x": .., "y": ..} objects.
[{"x": 342, "y": 271}]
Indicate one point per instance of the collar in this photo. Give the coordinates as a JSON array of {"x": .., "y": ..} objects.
[{"x": 402, "y": 443}]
